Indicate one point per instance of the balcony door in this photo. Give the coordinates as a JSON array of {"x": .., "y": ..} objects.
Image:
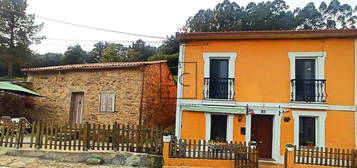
[
  {"x": 218, "y": 82},
  {"x": 305, "y": 79}
]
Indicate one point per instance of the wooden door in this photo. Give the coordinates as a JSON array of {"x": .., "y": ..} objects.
[
  {"x": 262, "y": 133},
  {"x": 76, "y": 109}
]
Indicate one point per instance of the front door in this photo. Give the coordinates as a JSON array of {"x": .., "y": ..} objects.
[
  {"x": 262, "y": 133},
  {"x": 75, "y": 113}
]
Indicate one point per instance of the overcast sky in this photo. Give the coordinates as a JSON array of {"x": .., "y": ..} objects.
[{"x": 149, "y": 17}]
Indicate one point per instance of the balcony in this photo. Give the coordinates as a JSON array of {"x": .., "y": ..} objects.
[
  {"x": 218, "y": 88},
  {"x": 308, "y": 90}
]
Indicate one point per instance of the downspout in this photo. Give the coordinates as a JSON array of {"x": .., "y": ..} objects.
[
  {"x": 180, "y": 71},
  {"x": 142, "y": 97}
]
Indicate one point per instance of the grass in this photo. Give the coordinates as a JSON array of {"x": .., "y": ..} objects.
[{"x": 15, "y": 78}]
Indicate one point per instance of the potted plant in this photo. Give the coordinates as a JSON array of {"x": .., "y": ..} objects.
[
  {"x": 290, "y": 147},
  {"x": 310, "y": 144}
]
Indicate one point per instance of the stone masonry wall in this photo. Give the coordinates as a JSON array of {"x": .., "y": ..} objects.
[
  {"x": 58, "y": 87},
  {"x": 159, "y": 96}
]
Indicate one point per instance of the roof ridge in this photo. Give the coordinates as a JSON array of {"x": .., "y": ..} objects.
[{"x": 105, "y": 65}]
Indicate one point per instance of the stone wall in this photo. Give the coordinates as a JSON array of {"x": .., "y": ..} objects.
[
  {"x": 159, "y": 96},
  {"x": 58, "y": 88},
  {"x": 112, "y": 159}
]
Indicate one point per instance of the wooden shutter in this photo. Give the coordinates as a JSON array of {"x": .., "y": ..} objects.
[{"x": 107, "y": 102}]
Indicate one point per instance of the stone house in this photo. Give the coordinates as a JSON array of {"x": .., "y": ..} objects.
[{"x": 104, "y": 93}]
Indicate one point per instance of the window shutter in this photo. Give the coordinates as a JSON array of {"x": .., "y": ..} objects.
[{"x": 107, "y": 102}]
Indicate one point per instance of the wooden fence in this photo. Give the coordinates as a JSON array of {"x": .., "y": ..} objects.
[
  {"x": 83, "y": 137},
  {"x": 325, "y": 156},
  {"x": 243, "y": 155}
]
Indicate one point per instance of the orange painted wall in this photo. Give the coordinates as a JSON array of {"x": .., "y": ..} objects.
[
  {"x": 237, "y": 125},
  {"x": 339, "y": 130},
  {"x": 193, "y": 125},
  {"x": 262, "y": 71}
]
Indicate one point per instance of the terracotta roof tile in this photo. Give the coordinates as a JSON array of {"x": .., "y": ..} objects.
[{"x": 109, "y": 65}]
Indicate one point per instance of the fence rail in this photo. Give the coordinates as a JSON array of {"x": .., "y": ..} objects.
[
  {"x": 83, "y": 137},
  {"x": 243, "y": 155},
  {"x": 325, "y": 156}
]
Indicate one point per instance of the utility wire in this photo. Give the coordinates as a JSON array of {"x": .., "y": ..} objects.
[
  {"x": 98, "y": 28},
  {"x": 88, "y": 27},
  {"x": 88, "y": 40}
]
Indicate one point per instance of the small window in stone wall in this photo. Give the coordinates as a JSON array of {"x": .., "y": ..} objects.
[{"x": 107, "y": 102}]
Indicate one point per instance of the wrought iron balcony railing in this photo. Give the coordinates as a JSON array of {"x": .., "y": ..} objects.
[
  {"x": 308, "y": 90},
  {"x": 218, "y": 88}
]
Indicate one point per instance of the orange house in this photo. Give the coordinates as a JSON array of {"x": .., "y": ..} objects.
[{"x": 271, "y": 87}]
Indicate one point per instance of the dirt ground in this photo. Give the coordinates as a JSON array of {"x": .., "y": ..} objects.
[{"x": 26, "y": 162}]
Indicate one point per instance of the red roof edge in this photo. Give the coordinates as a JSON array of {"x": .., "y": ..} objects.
[{"x": 273, "y": 34}]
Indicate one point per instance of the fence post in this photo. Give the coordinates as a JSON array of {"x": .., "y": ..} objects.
[
  {"x": 87, "y": 136},
  {"x": 353, "y": 158},
  {"x": 286, "y": 158},
  {"x": 37, "y": 140},
  {"x": 19, "y": 135}
]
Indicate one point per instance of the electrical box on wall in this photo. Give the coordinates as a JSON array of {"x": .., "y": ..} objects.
[{"x": 242, "y": 130}]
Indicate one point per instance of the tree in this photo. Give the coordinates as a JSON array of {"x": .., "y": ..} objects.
[
  {"x": 97, "y": 51},
  {"x": 145, "y": 50},
  {"x": 272, "y": 15},
  {"x": 48, "y": 59},
  {"x": 17, "y": 31},
  {"x": 74, "y": 55},
  {"x": 168, "y": 51}
]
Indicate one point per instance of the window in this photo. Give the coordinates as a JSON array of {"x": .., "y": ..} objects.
[
  {"x": 305, "y": 83},
  {"x": 307, "y": 76},
  {"x": 218, "y": 81},
  {"x": 219, "y": 71},
  {"x": 218, "y": 128},
  {"x": 307, "y": 131},
  {"x": 107, "y": 102}
]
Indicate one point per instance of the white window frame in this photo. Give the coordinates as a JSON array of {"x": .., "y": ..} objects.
[
  {"x": 100, "y": 102},
  {"x": 230, "y": 56},
  {"x": 319, "y": 58},
  {"x": 320, "y": 125},
  {"x": 229, "y": 133}
]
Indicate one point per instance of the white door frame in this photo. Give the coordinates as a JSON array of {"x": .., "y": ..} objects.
[{"x": 276, "y": 133}]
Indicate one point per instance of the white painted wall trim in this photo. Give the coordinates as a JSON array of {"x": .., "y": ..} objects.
[
  {"x": 320, "y": 62},
  {"x": 229, "y": 133},
  {"x": 231, "y": 56},
  {"x": 208, "y": 126},
  {"x": 276, "y": 133},
  {"x": 180, "y": 71},
  {"x": 230, "y": 128},
  {"x": 269, "y": 106},
  {"x": 320, "y": 125}
]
